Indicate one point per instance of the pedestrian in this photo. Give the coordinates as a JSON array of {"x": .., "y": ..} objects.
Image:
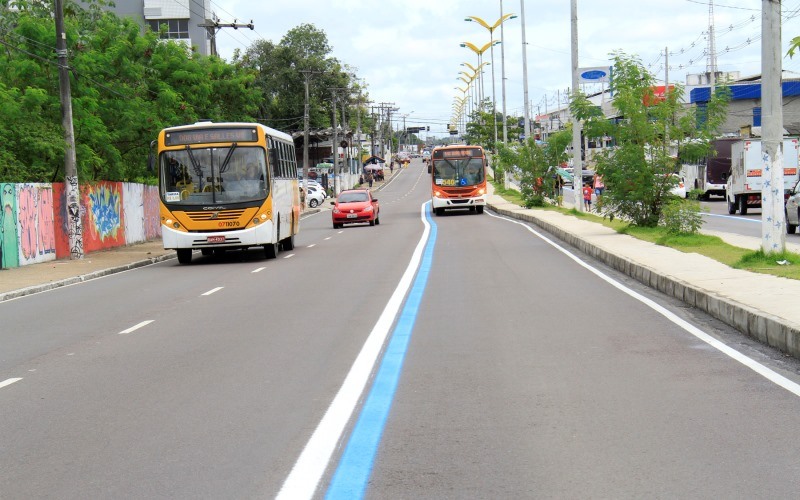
[
  {"x": 368, "y": 178},
  {"x": 587, "y": 197},
  {"x": 599, "y": 187},
  {"x": 302, "y": 198}
]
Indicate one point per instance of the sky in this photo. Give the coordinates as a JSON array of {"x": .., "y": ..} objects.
[{"x": 408, "y": 52}]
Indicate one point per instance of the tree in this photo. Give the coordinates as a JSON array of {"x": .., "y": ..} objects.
[
  {"x": 535, "y": 165},
  {"x": 649, "y": 132}
]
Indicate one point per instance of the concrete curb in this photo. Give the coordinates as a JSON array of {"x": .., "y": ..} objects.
[
  {"x": 759, "y": 325},
  {"x": 83, "y": 277}
]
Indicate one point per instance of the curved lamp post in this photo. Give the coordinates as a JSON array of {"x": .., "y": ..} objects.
[{"x": 491, "y": 28}]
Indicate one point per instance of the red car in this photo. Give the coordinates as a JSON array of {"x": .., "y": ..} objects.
[{"x": 355, "y": 205}]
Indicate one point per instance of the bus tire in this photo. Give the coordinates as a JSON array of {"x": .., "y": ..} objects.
[
  {"x": 184, "y": 255},
  {"x": 790, "y": 228},
  {"x": 479, "y": 209},
  {"x": 732, "y": 206},
  {"x": 743, "y": 205},
  {"x": 271, "y": 250},
  {"x": 288, "y": 243}
]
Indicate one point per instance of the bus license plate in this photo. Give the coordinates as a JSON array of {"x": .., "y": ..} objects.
[
  {"x": 352, "y": 216},
  {"x": 216, "y": 239}
]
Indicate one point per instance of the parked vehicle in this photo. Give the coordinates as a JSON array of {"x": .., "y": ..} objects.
[
  {"x": 679, "y": 189},
  {"x": 710, "y": 174},
  {"x": 355, "y": 205},
  {"x": 792, "y": 209},
  {"x": 743, "y": 187},
  {"x": 314, "y": 196}
]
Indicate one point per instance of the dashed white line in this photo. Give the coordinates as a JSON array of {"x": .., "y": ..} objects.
[
  {"x": 258, "y": 270},
  {"x": 311, "y": 245},
  {"x": 214, "y": 290},
  {"x": 329, "y": 237},
  {"x": 8, "y": 382},
  {"x": 135, "y": 327}
]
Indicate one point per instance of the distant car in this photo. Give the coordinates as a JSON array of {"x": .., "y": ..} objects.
[
  {"x": 316, "y": 185},
  {"x": 792, "y": 209},
  {"x": 314, "y": 196},
  {"x": 679, "y": 189},
  {"x": 355, "y": 205}
]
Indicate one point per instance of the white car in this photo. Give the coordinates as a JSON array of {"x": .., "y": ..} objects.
[
  {"x": 314, "y": 196},
  {"x": 679, "y": 189}
]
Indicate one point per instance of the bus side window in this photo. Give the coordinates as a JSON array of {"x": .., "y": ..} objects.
[{"x": 273, "y": 157}]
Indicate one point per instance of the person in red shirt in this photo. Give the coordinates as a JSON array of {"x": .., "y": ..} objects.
[{"x": 587, "y": 197}]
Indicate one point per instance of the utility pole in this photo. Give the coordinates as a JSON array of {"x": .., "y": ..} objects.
[
  {"x": 577, "y": 170},
  {"x": 71, "y": 187},
  {"x": 335, "y": 149},
  {"x": 773, "y": 233},
  {"x": 528, "y": 130},
  {"x": 213, "y": 26},
  {"x": 304, "y": 170}
]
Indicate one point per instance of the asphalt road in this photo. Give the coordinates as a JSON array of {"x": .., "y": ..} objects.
[{"x": 515, "y": 369}]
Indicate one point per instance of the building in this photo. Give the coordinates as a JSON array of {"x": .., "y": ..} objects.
[{"x": 186, "y": 19}]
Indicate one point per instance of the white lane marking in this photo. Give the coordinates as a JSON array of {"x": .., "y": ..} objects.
[
  {"x": 214, "y": 290},
  {"x": 329, "y": 237},
  {"x": 311, "y": 245},
  {"x": 135, "y": 327},
  {"x": 733, "y": 217},
  {"x": 258, "y": 270},
  {"x": 9, "y": 381},
  {"x": 289, "y": 256},
  {"x": 307, "y": 471},
  {"x": 754, "y": 365}
]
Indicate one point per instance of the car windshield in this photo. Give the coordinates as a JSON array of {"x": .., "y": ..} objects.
[
  {"x": 213, "y": 175},
  {"x": 458, "y": 172},
  {"x": 352, "y": 197}
]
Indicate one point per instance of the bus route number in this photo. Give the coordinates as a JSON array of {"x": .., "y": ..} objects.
[{"x": 445, "y": 182}]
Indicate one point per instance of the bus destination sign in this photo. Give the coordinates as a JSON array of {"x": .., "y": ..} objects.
[
  {"x": 206, "y": 135},
  {"x": 457, "y": 153}
]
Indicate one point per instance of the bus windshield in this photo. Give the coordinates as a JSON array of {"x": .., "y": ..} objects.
[
  {"x": 458, "y": 172},
  {"x": 205, "y": 176}
]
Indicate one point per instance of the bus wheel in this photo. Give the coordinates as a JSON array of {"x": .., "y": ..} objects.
[
  {"x": 288, "y": 243},
  {"x": 732, "y": 206},
  {"x": 271, "y": 250},
  {"x": 743, "y": 205},
  {"x": 479, "y": 209},
  {"x": 184, "y": 255}
]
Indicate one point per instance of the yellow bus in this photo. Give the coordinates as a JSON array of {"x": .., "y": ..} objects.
[{"x": 226, "y": 185}]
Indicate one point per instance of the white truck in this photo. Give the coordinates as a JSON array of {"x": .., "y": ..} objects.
[{"x": 743, "y": 186}]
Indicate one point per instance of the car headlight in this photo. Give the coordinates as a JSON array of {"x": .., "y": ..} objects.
[
  {"x": 336, "y": 211},
  {"x": 368, "y": 209}
]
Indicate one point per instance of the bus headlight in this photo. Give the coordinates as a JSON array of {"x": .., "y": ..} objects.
[
  {"x": 263, "y": 216},
  {"x": 481, "y": 192}
]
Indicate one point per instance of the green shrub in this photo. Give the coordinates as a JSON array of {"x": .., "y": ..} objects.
[{"x": 682, "y": 216}]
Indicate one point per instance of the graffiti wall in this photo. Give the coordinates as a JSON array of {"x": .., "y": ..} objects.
[{"x": 34, "y": 219}]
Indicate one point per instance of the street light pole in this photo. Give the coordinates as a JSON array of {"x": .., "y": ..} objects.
[
  {"x": 503, "y": 74},
  {"x": 491, "y": 29}
]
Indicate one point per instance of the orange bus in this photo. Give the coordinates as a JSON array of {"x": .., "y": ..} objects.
[
  {"x": 458, "y": 178},
  {"x": 226, "y": 186}
]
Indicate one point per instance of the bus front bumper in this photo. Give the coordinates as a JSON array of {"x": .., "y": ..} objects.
[{"x": 261, "y": 234}]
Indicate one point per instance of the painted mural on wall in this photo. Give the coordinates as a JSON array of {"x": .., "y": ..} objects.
[
  {"x": 8, "y": 226},
  {"x": 34, "y": 219},
  {"x": 103, "y": 225},
  {"x": 35, "y": 228}
]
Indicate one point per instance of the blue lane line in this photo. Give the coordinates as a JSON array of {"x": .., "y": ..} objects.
[{"x": 351, "y": 476}]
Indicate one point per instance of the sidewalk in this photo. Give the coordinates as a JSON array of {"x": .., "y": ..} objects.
[{"x": 761, "y": 306}]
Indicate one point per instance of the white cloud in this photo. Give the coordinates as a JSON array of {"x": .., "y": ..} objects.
[{"x": 408, "y": 50}]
